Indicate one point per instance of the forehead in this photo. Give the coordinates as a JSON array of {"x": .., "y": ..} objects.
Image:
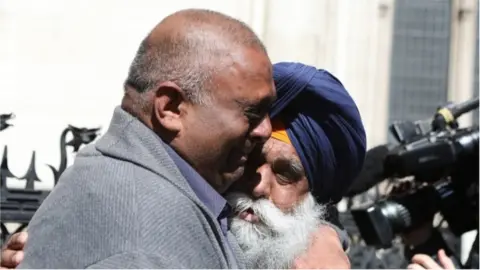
[
  {"x": 247, "y": 74},
  {"x": 274, "y": 148}
]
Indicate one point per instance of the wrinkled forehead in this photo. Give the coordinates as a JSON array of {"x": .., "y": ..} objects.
[{"x": 274, "y": 148}]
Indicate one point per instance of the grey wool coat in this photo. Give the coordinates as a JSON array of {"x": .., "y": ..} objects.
[{"x": 124, "y": 204}]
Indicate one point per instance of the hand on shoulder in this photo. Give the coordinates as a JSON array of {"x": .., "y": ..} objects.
[{"x": 325, "y": 252}]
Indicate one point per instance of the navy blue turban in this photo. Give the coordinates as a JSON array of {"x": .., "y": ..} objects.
[{"x": 323, "y": 124}]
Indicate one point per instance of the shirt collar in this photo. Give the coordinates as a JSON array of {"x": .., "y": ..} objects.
[{"x": 207, "y": 195}]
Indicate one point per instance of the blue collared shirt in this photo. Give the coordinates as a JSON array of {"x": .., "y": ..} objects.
[{"x": 207, "y": 195}]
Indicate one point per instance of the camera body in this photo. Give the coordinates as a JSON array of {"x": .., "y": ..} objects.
[{"x": 444, "y": 165}]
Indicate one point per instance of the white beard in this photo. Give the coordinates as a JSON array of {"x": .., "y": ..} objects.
[{"x": 279, "y": 237}]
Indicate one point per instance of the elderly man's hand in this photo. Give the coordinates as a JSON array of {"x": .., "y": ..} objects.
[
  {"x": 422, "y": 261},
  {"x": 12, "y": 251},
  {"x": 325, "y": 252}
]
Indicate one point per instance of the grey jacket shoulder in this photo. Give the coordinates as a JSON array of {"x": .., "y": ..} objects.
[
  {"x": 122, "y": 204},
  {"x": 88, "y": 218}
]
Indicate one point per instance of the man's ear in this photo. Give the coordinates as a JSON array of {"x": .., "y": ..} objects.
[{"x": 167, "y": 104}]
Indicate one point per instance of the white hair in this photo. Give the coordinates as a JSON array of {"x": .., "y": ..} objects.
[{"x": 280, "y": 237}]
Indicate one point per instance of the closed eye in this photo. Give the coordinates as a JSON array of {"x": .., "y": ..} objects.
[
  {"x": 287, "y": 171},
  {"x": 254, "y": 116},
  {"x": 255, "y": 112}
]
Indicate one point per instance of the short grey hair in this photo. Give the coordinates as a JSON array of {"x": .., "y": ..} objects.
[{"x": 151, "y": 66}]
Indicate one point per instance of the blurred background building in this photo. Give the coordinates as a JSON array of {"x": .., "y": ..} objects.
[{"x": 64, "y": 62}]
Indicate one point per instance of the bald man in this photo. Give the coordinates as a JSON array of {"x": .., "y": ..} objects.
[{"x": 147, "y": 194}]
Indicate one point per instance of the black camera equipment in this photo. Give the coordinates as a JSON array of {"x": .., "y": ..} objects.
[{"x": 443, "y": 161}]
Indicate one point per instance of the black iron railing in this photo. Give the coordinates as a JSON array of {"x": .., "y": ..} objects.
[{"x": 19, "y": 205}]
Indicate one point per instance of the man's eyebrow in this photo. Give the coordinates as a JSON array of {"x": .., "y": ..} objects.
[
  {"x": 265, "y": 103},
  {"x": 293, "y": 164},
  {"x": 268, "y": 101}
]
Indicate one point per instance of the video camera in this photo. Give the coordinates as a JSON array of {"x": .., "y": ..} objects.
[{"x": 444, "y": 163}]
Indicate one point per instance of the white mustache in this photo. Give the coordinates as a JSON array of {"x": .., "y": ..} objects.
[{"x": 264, "y": 209}]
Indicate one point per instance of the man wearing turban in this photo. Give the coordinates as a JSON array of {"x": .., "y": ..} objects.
[{"x": 317, "y": 148}]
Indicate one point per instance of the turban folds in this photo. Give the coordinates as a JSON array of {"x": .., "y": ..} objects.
[{"x": 323, "y": 125}]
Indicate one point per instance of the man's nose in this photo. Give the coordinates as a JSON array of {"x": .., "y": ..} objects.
[
  {"x": 262, "y": 187},
  {"x": 263, "y": 131}
]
